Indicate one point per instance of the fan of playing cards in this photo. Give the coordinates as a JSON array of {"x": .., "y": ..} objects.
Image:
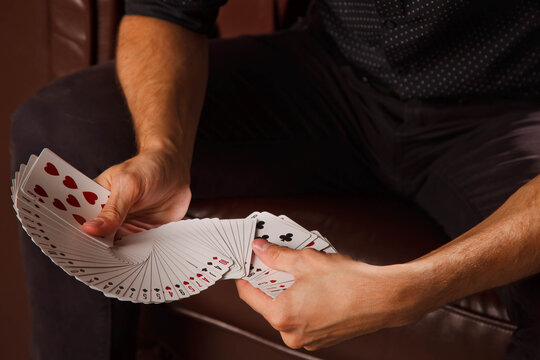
[{"x": 174, "y": 261}]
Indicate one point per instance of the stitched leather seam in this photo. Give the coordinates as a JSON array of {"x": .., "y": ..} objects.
[
  {"x": 493, "y": 323},
  {"x": 244, "y": 333}
]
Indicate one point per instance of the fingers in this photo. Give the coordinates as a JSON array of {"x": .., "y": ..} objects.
[
  {"x": 124, "y": 192},
  {"x": 276, "y": 257},
  {"x": 259, "y": 301}
]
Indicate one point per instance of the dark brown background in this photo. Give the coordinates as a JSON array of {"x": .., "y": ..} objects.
[{"x": 25, "y": 67}]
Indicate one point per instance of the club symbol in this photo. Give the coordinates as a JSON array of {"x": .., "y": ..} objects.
[
  {"x": 265, "y": 237},
  {"x": 260, "y": 225},
  {"x": 286, "y": 237}
]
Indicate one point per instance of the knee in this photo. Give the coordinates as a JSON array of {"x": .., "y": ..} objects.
[
  {"x": 79, "y": 116},
  {"x": 31, "y": 124},
  {"x": 46, "y": 119}
]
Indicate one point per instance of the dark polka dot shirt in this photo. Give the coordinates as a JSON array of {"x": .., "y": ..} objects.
[
  {"x": 416, "y": 49},
  {"x": 441, "y": 49}
]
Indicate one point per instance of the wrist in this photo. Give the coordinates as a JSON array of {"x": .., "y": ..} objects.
[
  {"x": 162, "y": 144},
  {"x": 415, "y": 292}
]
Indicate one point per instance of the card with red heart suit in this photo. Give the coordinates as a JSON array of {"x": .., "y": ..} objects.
[
  {"x": 63, "y": 192},
  {"x": 177, "y": 260}
]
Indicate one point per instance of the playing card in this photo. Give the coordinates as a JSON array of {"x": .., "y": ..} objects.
[
  {"x": 64, "y": 191},
  {"x": 171, "y": 262}
]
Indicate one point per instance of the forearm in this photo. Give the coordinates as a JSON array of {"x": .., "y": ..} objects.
[
  {"x": 503, "y": 248},
  {"x": 163, "y": 71}
]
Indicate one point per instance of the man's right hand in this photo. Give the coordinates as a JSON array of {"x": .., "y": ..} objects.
[
  {"x": 147, "y": 190},
  {"x": 163, "y": 69}
]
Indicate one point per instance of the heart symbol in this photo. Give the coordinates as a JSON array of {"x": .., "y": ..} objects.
[
  {"x": 72, "y": 200},
  {"x": 79, "y": 219},
  {"x": 54, "y": 247},
  {"x": 167, "y": 288},
  {"x": 90, "y": 197},
  {"x": 199, "y": 275},
  {"x": 186, "y": 283},
  {"x": 310, "y": 244},
  {"x": 58, "y": 204},
  {"x": 170, "y": 293},
  {"x": 40, "y": 191},
  {"x": 191, "y": 278},
  {"x": 69, "y": 182},
  {"x": 272, "y": 281},
  {"x": 41, "y": 201},
  {"x": 215, "y": 258},
  {"x": 51, "y": 169}
]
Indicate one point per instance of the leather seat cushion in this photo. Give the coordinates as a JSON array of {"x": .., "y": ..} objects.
[{"x": 377, "y": 229}]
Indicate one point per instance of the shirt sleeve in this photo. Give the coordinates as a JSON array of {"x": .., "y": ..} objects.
[{"x": 196, "y": 15}]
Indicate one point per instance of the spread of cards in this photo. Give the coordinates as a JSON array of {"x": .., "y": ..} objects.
[{"x": 174, "y": 261}]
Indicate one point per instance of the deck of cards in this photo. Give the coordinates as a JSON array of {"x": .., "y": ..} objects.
[{"x": 52, "y": 200}]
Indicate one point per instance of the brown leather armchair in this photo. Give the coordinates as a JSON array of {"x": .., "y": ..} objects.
[{"x": 378, "y": 229}]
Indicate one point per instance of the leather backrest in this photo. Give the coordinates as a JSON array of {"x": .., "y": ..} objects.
[{"x": 83, "y": 32}]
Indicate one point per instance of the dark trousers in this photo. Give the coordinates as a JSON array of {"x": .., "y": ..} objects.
[{"x": 281, "y": 117}]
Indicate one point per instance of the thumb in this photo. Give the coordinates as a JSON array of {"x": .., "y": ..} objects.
[
  {"x": 277, "y": 257},
  {"x": 113, "y": 213}
]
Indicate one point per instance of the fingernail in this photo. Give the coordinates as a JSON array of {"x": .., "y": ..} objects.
[
  {"x": 96, "y": 222},
  {"x": 260, "y": 244}
]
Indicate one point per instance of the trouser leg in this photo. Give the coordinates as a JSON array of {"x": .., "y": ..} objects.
[
  {"x": 85, "y": 123},
  {"x": 276, "y": 121}
]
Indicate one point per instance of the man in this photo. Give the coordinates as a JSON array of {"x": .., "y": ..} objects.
[{"x": 437, "y": 99}]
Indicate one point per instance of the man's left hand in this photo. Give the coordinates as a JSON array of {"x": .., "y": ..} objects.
[{"x": 334, "y": 297}]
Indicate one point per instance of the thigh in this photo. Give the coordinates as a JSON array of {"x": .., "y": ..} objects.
[
  {"x": 82, "y": 118},
  {"x": 472, "y": 178},
  {"x": 276, "y": 121}
]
